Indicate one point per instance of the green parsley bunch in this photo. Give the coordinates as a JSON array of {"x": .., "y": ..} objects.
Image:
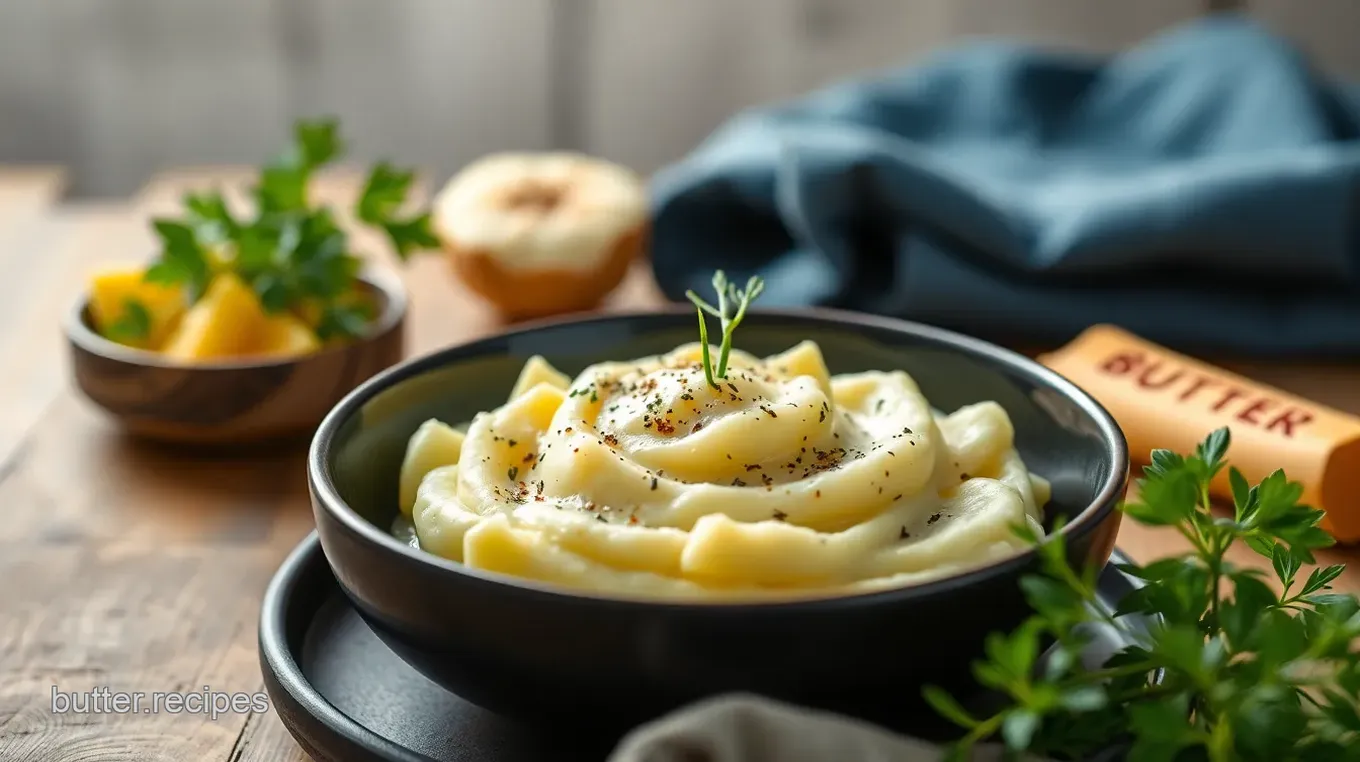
[
  {"x": 1232, "y": 670},
  {"x": 290, "y": 251}
]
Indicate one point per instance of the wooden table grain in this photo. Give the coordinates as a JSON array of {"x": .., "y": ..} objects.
[{"x": 133, "y": 567}]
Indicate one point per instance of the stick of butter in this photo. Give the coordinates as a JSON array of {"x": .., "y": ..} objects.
[{"x": 1162, "y": 399}]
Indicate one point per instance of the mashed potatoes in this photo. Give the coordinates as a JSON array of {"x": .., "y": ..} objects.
[{"x": 640, "y": 479}]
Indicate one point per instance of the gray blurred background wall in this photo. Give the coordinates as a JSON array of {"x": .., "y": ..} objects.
[{"x": 116, "y": 89}]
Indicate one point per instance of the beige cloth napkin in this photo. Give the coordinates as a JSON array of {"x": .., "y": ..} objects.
[{"x": 747, "y": 728}]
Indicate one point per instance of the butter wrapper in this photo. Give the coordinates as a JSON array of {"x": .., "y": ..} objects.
[{"x": 1162, "y": 399}]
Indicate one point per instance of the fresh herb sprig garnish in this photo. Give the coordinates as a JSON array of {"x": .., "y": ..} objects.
[
  {"x": 1232, "y": 670},
  {"x": 731, "y": 308},
  {"x": 291, "y": 251}
]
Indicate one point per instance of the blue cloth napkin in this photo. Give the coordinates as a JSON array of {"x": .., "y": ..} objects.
[{"x": 1201, "y": 190}]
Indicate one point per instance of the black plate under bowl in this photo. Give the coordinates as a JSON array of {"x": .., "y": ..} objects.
[{"x": 346, "y": 697}]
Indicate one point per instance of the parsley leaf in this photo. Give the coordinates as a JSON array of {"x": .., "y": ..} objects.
[
  {"x": 133, "y": 325},
  {"x": 384, "y": 194},
  {"x": 182, "y": 261},
  {"x": 209, "y": 217},
  {"x": 318, "y": 142},
  {"x": 1320, "y": 578},
  {"x": 1213, "y": 448},
  {"x": 283, "y": 182},
  {"x": 282, "y": 188},
  {"x": 1167, "y": 496},
  {"x": 410, "y": 235},
  {"x": 342, "y": 321},
  {"x": 1234, "y": 670}
]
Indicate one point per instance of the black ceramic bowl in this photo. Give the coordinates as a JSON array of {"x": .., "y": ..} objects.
[{"x": 540, "y": 653}]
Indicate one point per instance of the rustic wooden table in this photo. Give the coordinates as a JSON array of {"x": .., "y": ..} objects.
[{"x": 140, "y": 568}]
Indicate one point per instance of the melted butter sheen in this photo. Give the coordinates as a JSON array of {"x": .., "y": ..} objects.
[{"x": 641, "y": 479}]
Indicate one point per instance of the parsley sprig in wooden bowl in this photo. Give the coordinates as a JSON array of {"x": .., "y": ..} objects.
[
  {"x": 283, "y": 280},
  {"x": 250, "y": 324}
]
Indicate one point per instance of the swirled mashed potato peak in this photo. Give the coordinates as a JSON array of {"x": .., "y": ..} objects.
[{"x": 640, "y": 478}]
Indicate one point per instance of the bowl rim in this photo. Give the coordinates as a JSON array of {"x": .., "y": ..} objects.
[
  {"x": 1085, "y": 521},
  {"x": 388, "y": 283}
]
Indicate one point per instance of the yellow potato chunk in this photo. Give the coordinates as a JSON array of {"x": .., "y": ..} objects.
[
  {"x": 493, "y": 545},
  {"x": 285, "y": 335},
  {"x": 537, "y": 406},
  {"x": 538, "y": 371},
  {"x": 804, "y": 359},
  {"x": 440, "y": 518},
  {"x": 227, "y": 322},
  {"x": 724, "y": 551},
  {"x": 110, "y": 291},
  {"x": 626, "y": 548},
  {"x": 308, "y": 310},
  {"x": 433, "y": 445},
  {"x": 979, "y": 435},
  {"x": 1043, "y": 489}
]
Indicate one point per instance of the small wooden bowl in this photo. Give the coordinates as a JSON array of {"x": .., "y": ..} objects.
[{"x": 232, "y": 402}]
